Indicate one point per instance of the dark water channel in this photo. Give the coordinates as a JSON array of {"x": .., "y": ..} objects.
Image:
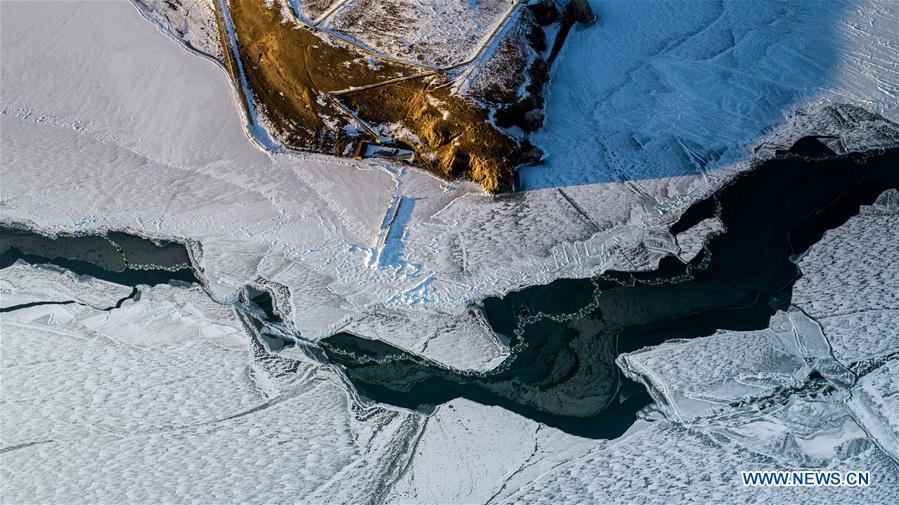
[{"x": 565, "y": 335}]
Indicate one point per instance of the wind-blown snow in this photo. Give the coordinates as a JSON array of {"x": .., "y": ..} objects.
[
  {"x": 163, "y": 399},
  {"x": 851, "y": 287},
  {"x": 662, "y": 462},
  {"x": 858, "y": 259},
  {"x": 671, "y": 88},
  {"x": 875, "y": 401}
]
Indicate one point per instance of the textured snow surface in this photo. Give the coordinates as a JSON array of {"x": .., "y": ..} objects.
[
  {"x": 164, "y": 361},
  {"x": 467, "y": 453},
  {"x": 850, "y": 283},
  {"x": 671, "y": 88},
  {"x": 663, "y": 462},
  {"x": 19, "y": 285},
  {"x": 755, "y": 389},
  {"x": 163, "y": 400},
  {"x": 695, "y": 377},
  {"x": 875, "y": 401},
  {"x": 462, "y": 342}
]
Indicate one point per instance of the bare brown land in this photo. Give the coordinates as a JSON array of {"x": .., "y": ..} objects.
[{"x": 291, "y": 71}]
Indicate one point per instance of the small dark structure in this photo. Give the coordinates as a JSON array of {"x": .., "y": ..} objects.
[
  {"x": 580, "y": 11},
  {"x": 364, "y": 149},
  {"x": 545, "y": 12}
]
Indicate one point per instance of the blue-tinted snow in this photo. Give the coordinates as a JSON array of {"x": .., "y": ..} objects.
[{"x": 671, "y": 88}]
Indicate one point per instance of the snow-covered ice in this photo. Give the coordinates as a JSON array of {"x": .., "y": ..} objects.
[
  {"x": 20, "y": 285},
  {"x": 164, "y": 400},
  {"x": 851, "y": 283},
  {"x": 671, "y": 88}
]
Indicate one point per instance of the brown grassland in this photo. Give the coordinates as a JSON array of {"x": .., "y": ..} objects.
[{"x": 292, "y": 69}]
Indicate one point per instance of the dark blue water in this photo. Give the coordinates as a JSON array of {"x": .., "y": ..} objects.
[{"x": 566, "y": 335}]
